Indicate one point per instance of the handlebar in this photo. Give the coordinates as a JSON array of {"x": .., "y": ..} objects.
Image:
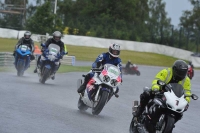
[{"x": 96, "y": 69}]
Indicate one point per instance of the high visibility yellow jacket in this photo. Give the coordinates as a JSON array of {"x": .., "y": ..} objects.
[
  {"x": 166, "y": 75},
  {"x": 65, "y": 48}
]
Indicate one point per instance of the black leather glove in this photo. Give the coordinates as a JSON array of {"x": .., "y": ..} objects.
[
  {"x": 61, "y": 57},
  {"x": 13, "y": 53},
  {"x": 186, "y": 107}
]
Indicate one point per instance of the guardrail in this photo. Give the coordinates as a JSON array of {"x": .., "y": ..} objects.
[{"x": 7, "y": 59}]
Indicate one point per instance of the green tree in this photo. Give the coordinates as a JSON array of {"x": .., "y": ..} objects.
[
  {"x": 158, "y": 23},
  {"x": 9, "y": 20},
  {"x": 44, "y": 21},
  {"x": 190, "y": 21},
  {"x": 119, "y": 19}
]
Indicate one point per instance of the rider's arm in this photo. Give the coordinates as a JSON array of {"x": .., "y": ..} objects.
[
  {"x": 32, "y": 46},
  {"x": 187, "y": 88},
  {"x": 98, "y": 61},
  {"x": 62, "y": 47},
  {"x": 19, "y": 43},
  {"x": 162, "y": 75},
  {"x": 48, "y": 42},
  {"x": 119, "y": 65}
]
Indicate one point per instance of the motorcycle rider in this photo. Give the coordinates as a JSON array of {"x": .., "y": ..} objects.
[
  {"x": 191, "y": 65},
  {"x": 176, "y": 74},
  {"x": 26, "y": 40},
  {"x": 56, "y": 39},
  {"x": 128, "y": 66},
  {"x": 111, "y": 57}
]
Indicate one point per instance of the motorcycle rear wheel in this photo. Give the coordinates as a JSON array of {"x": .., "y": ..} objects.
[{"x": 81, "y": 105}]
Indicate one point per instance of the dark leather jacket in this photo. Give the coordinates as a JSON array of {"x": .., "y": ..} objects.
[
  {"x": 59, "y": 43},
  {"x": 29, "y": 43}
]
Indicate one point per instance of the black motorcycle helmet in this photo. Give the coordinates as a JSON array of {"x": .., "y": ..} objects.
[{"x": 180, "y": 69}]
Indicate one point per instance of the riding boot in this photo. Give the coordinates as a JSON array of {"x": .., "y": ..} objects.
[
  {"x": 13, "y": 53},
  {"x": 38, "y": 64},
  {"x": 81, "y": 89},
  {"x": 55, "y": 70},
  {"x": 116, "y": 92}
]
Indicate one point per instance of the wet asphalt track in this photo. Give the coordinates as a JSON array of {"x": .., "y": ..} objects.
[{"x": 26, "y": 106}]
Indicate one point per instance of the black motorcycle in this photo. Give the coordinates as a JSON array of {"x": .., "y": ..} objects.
[{"x": 160, "y": 114}]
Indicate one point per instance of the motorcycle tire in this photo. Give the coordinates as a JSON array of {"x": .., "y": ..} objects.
[
  {"x": 81, "y": 105},
  {"x": 138, "y": 73},
  {"x": 45, "y": 75},
  {"x": 79, "y": 83},
  {"x": 102, "y": 101},
  {"x": 20, "y": 66},
  {"x": 169, "y": 124},
  {"x": 135, "y": 129}
]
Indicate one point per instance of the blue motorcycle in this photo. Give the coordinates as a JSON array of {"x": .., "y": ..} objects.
[
  {"x": 48, "y": 62},
  {"x": 22, "y": 59}
]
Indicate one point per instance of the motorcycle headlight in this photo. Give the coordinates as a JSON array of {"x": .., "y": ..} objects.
[
  {"x": 113, "y": 82},
  {"x": 106, "y": 78},
  {"x": 51, "y": 57}
]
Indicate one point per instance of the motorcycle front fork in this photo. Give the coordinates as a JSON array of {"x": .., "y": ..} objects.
[{"x": 160, "y": 122}]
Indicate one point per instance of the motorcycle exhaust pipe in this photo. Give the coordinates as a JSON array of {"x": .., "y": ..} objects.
[{"x": 135, "y": 107}]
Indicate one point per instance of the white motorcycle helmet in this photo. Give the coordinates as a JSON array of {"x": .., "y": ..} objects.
[
  {"x": 114, "y": 50},
  {"x": 57, "y": 36}
]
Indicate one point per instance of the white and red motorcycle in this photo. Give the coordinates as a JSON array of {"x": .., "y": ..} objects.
[
  {"x": 160, "y": 113},
  {"x": 100, "y": 88}
]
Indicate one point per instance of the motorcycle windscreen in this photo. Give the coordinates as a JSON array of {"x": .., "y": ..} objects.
[
  {"x": 112, "y": 70},
  {"x": 177, "y": 89},
  {"x": 24, "y": 47},
  {"x": 54, "y": 49}
]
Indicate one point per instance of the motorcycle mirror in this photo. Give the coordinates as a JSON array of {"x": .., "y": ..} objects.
[
  {"x": 146, "y": 88},
  {"x": 159, "y": 82},
  {"x": 194, "y": 97}
]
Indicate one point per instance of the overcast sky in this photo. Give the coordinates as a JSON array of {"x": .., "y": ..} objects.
[{"x": 174, "y": 8}]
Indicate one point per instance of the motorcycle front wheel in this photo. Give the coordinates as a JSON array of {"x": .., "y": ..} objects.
[
  {"x": 45, "y": 75},
  {"x": 20, "y": 67},
  {"x": 167, "y": 125},
  {"x": 100, "y": 103}
]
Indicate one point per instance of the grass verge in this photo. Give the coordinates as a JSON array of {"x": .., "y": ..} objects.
[{"x": 90, "y": 54}]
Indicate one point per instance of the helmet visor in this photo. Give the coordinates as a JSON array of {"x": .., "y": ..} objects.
[
  {"x": 115, "y": 52},
  {"x": 27, "y": 36},
  {"x": 180, "y": 74},
  {"x": 57, "y": 38}
]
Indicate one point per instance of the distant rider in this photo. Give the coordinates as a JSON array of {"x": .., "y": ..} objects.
[
  {"x": 111, "y": 57},
  {"x": 191, "y": 65},
  {"x": 56, "y": 39},
  {"x": 176, "y": 74},
  {"x": 26, "y": 40},
  {"x": 128, "y": 66}
]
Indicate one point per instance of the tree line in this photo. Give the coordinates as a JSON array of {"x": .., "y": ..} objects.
[{"x": 135, "y": 20}]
